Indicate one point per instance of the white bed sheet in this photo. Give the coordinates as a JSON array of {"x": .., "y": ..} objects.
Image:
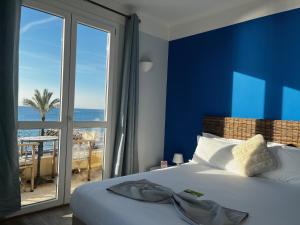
[{"x": 266, "y": 201}]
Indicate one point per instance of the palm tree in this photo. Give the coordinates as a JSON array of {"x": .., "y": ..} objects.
[{"x": 42, "y": 103}]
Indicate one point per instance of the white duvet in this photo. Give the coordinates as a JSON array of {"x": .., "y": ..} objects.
[{"x": 267, "y": 202}]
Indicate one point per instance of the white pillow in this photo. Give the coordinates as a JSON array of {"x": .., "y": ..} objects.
[
  {"x": 215, "y": 152},
  {"x": 228, "y": 140},
  {"x": 273, "y": 144},
  {"x": 288, "y": 170},
  {"x": 236, "y": 141}
]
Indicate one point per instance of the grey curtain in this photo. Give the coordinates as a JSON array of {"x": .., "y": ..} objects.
[
  {"x": 9, "y": 169},
  {"x": 125, "y": 155}
]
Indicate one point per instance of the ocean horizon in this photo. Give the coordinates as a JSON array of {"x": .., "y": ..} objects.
[{"x": 26, "y": 113}]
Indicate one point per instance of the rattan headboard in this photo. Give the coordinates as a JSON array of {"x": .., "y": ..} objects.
[{"x": 280, "y": 131}]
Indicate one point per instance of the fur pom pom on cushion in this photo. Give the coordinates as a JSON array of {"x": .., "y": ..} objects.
[{"x": 253, "y": 157}]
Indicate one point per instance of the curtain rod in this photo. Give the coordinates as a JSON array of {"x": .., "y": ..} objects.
[{"x": 107, "y": 8}]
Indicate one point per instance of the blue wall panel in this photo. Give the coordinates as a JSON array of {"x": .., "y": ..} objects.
[{"x": 251, "y": 70}]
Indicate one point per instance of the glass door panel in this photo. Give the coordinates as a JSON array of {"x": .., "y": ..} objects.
[
  {"x": 40, "y": 65},
  {"x": 33, "y": 167},
  {"x": 42, "y": 106},
  {"x": 91, "y": 69},
  {"x": 87, "y": 155},
  {"x": 90, "y": 104}
]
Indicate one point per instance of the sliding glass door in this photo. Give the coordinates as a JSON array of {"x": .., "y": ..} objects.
[{"x": 65, "y": 74}]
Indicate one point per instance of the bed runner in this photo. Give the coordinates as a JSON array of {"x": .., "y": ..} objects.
[{"x": 191, "y": 209}]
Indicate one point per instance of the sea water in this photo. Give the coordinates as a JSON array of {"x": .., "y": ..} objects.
[{"x": 30, "y": 114}]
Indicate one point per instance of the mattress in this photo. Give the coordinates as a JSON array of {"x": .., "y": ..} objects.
[{"x": 267, "y": 202}]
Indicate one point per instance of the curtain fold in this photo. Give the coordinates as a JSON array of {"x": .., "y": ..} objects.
[
  {"x": 10, "y": 200},
  {"x": 125, "y": 154}
]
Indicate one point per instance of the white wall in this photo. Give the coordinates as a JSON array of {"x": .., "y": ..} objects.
[{"x": 152, "y": 101}]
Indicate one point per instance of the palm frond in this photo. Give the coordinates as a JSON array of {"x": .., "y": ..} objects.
[
  {"x": 38, "y": 99},
  {"x": 29, "y": 102},
  {"x": 54, "y": 103},
  {"x": 42, "y": 102}
]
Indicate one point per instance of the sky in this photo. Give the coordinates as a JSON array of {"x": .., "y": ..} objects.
[{"x": 40, "y": 59}]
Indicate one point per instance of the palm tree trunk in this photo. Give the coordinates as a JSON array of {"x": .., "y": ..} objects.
[{"x": 40, "y": 154}]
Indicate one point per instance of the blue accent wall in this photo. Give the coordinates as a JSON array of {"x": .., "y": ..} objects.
[{"x": 249, "y": 70}]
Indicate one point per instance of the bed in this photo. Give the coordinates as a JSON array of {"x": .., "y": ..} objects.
[{"x": 267, "y": 202}]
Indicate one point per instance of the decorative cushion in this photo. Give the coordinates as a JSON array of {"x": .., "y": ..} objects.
[{"x": 253, "y": 157}]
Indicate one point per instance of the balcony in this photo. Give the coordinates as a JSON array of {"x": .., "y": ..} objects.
[{"x": 39, "y": 177}]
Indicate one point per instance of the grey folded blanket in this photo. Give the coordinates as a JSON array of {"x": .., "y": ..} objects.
[{"x": 191, "y": 209}]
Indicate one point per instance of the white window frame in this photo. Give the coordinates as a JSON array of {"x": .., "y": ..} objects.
[
  {"x": 92, "y": 17},
  {"x": 91, "y": 21},
  {"x": 61, "y": 125}
]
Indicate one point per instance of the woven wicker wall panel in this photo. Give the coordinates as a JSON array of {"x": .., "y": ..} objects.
[{"x": 280, "y": 131}]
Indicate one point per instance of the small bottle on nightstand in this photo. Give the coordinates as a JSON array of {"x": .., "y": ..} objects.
[{"x": 163, "y": 164}]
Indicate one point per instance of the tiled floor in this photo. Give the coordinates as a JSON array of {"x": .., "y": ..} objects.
[{"x": 47, "y": 191}]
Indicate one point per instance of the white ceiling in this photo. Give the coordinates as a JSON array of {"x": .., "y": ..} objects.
[
  {"x": 172, "y": 19},
  {"x": 173, "y": 12}
]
